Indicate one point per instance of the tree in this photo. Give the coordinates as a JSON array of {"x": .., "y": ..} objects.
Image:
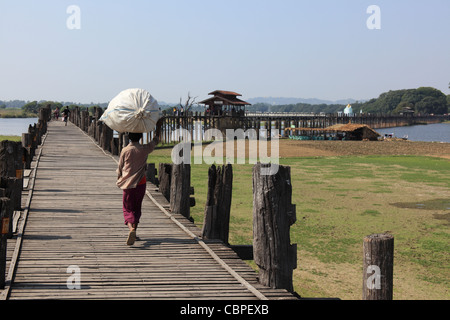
[
  {"x": 429, "y": 105},
  {"x": 188, "y": 104},
  {"x": 31, "y": 107},
  {"x": 422, "y": 100}
]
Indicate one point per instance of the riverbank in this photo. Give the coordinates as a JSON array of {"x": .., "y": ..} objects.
[
  {"x": 14, "y": 113},
  {"x": 325, "y": 148},
  {"x": 292, "y": 148}
]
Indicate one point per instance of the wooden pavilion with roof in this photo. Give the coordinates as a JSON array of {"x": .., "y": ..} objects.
[
  {"x": 349, "y": 131},
  {"x": 225, "y": 103}
]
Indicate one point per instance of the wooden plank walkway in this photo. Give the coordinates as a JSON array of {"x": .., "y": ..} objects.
[{"x": 74, "y": 218}]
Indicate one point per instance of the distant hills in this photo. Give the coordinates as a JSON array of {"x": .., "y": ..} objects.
[
  {"x": 284, "y": 101},
  {"x": 424, "y": 100}
]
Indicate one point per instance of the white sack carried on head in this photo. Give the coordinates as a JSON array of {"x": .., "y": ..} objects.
[{"x": 132, "y": 110}]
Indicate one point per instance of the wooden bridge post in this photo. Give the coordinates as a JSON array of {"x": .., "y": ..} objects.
[
  {"x": 5, "y": 218},
  {"x": 26, "y": 144},
  {"x": 180, "y": 187},
  {"x": 151, "y": 173},
  {"x": 33, "y": 140},
  {"x": 11, "y": 166},
  {"x": 378, "y": 267},
  {"x": 273, "y": 214},
  {"x": 164, "y": 178},
  {"x": 106, "y": 136},
  {"x": 217, "y": 210},
  {"x": 10, "y": 188},
  {"x": 115, "y": 146},
  {"x": 83, "y": 120}
]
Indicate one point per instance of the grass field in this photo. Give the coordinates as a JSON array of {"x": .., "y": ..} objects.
[
  {"x": 10, "y": 138},
  {"x": 15, "y": 113},
  {"x": 341, "y": 199}
]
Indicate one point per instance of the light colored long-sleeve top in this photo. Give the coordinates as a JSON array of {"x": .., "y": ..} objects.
[{"x": 133, "y": 163}]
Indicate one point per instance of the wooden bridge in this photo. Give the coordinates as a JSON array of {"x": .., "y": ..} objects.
[
  {"x": 70, "y": 237},
  {"x": 265, "y": 124}
]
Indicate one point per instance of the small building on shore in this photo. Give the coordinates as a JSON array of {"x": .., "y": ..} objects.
[
  {"x": 349, "y": 131},
  {"x": 353, "y": 131}
]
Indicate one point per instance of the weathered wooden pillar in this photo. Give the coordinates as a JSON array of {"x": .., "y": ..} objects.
[
  {"x": 180, "y": 186},
  {"x": 151, "y": 173},
  {"x": 26, "y": 144},
  {"x": 115, "y": 146},
  {"x": 92, "y": 126},
  {"x": 273, "y": 214},
  {"x": 164, "y": 177},
  {"x": 378, "y": 267},
  {"x": 216, "y": 223},
  {"x": 32, "y": 140},
  {"x": 7, "y": 162},
  {"x": 5, "y": 218},
  {"x": 98, "y": 130},
  {"x": 11, "y": 166},
  {"x": 106, "y": 135},
  {"x": 83, "y": 120},
  {"x": 9, "y": 189},
  {"x": 13, "y": 190}
]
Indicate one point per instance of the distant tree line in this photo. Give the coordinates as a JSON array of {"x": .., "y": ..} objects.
[
  {"x": 33, "y": 106},
  {"x": 424, "y": 100}
]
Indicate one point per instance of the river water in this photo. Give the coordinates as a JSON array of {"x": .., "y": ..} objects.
[
  {"x": 15, "y": 126},
  {"x": 439, "y": 132},
  {"x": 432, "y": 132}
]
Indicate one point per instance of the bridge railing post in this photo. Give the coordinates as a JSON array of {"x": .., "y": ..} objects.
[
  {"x": 216, "y": 223},
  {"x": 11, "y": 166},
  {"x": 164, "y": 179},
  {"x": 273, "y": 214},
  {"x": 151, "y": 173},
  {"x": 26, "y": 145},
  {"x": 378, "y": 267},
  {"x": 5, "y": 226},
  {"x": 180, "y": 186},
  {"x": 10, "y": 189}
]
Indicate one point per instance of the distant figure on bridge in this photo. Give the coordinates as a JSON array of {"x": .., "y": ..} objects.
[
  {"x": 131, "y": 178},
  {"x": 56, "y": 113},
  {"x": 66, "y": 114}
]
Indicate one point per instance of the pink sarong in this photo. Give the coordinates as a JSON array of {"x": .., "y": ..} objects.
[{"x": 132, "y": 204}]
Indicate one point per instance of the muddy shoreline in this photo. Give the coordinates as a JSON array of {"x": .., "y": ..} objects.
[{"x": 293, "y": 148}]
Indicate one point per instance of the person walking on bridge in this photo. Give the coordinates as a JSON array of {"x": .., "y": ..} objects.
[
  {"x": 66, "y": 114},
  {"x": 131, "y": 178}
]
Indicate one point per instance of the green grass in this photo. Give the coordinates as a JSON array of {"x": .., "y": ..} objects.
[
  {"x": 10, "y": 138},
  {"x": 15, "y": 113},
  {"x": 340, "y": 200}
]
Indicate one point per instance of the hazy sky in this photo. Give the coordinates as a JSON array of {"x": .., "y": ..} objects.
[{"x": 285, "y": 48}]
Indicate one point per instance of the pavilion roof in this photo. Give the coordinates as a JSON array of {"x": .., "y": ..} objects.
[
  {"x": 226, "y": 101},
  {"x": 224, "y": 92},
  {"x": 226, "y": 97}
]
